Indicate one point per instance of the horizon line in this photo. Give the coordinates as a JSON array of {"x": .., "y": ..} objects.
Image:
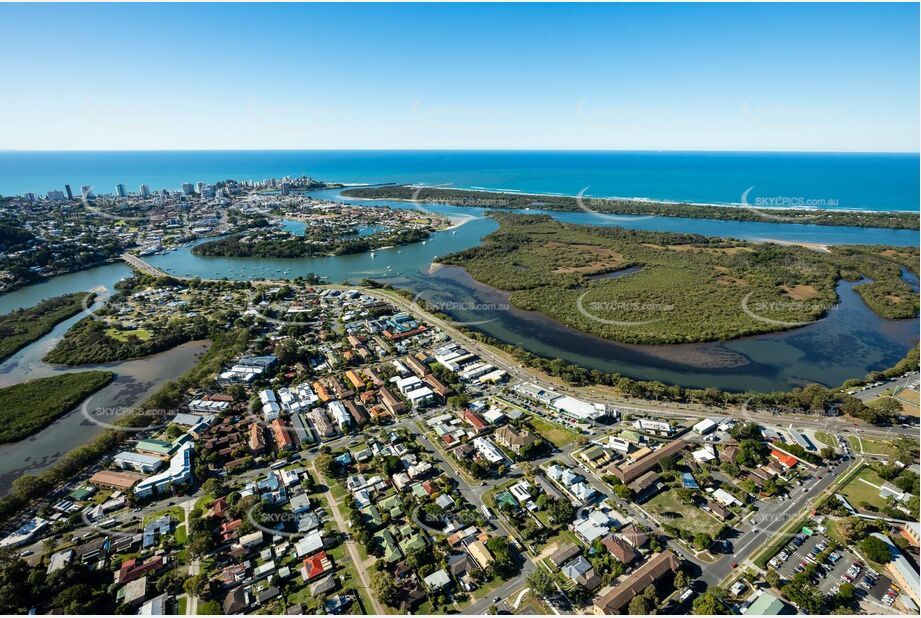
[{"x": 601, "y": 150}]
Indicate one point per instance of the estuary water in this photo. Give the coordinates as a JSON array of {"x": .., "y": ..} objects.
[
  {"x": 779, "y": 361},
  {"x": 849, "y": 342}
]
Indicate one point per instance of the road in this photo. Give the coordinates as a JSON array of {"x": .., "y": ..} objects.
[
  {"x": 907, "y": 381},
  {"x": 473, "y": 495},
  {"x": 601, "y": 394},
  {"x": 772, "y": 516},
  {"x": 136, "y": 262},
  {"x": 191, "y": 607},
  {"x": 754, "y": 533},
  {"x": 593, "y": 393},
  {"x": 350, "y": 545}
]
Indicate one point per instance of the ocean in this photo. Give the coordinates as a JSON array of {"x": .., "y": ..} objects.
[{"x": 822, "y": 180}]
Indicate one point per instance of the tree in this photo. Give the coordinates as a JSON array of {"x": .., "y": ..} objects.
[
  {"x": 667, "y": 464},
  {"x": 199, "y": 542},
  {"x": 213, "y": 487},
  {"x": 751, "y": 453},
  {"x": 560, "y": 511},
  {"x": 324, "y": 463},
  {"x": 645, "y": 603},
  {"x": 384, "y": 587},
  {"x": 197, "y": 585},
  {"x": 746, "y": 431},
  {"x": 875, "y": 549},
  {"x": 801, "y": 592},
  {"x": 855, "y": 528},
  {"x": 541, "y": 583},
  {"x": 711, "y": 602},
  {"x": 681, "y": 580},
  {"x": 773, "y": 578},
  {"x": 503, "y": 562},
  {"x": 703, "y": 540},
  {"x": 845, "y": 597}
]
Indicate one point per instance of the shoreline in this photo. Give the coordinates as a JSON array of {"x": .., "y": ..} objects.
[
  {"x": 815, "y": 246},
  {"x": 646, "y": 200}
]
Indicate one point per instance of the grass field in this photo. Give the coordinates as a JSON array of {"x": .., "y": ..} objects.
[
  {"x": 668, "y": 509},
  {"x": 908, "y": 398},
  {"x": 557, "y": 435},
  {"x": 122, "y": 335},
  {"x": 175, "y": 512},
  {"x": 857, "y": 492},
  {"x": 826, "y": 439},
  {"x": 871, "y": 446},
  {"x": 348, "y": 575}
]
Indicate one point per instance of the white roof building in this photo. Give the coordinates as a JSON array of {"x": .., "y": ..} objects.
[
  {"x": 339, "y": 414},
  {"x": 310, "y": 544},
  {"x": 705, "y": 426},
  {"x": 179, "y": 471},
  {"x": 420, "y": 396},
  {"x": 725, "y": 498},
  {"x": 138, "y": 461},
  {"x": 520, "y": 491},
  {"x": 577, "y": 409},
  {"x": 488, "y": 450},
  {"x": 271, "y": 410},
  {"x": 411, "y": 383},
  {"x": 707, "y": 453}
]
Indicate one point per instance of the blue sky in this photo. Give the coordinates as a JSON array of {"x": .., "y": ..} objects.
[{"x": 825, "y": 77}]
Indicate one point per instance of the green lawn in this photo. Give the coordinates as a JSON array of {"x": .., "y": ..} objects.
[
  {"x": 779, "y": 540},
  {"x": 857, "y": 492},
  {"x": 122, "y": 335},
  {"x": 175, "y": 512},
  {"x": 557, "y": 435},
  {"x": 183, "y": 602},
  {"x": 878, "y": 447},
  {"x": 827, "y": 439},
  {"x": 210, "y": 607},
  {"x": 339, "y": 491},
  {"x": 204, "y": 503},
  {"x": 348, "y": 574},
  {"x": 307, "y": 600},
  {"x": 669, "y": 510},
  {"x": 871, "y": 446}
]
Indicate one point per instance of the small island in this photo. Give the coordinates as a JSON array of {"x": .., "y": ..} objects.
[
  {"x": 24, "y": 326},
  {"x": 645, "y": 287},
  {"x": 328, "y": 229},
  {"x": 29, "y": 407}
]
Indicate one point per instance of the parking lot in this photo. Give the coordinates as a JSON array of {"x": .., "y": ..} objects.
[{"x": 829, "y": 574}]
